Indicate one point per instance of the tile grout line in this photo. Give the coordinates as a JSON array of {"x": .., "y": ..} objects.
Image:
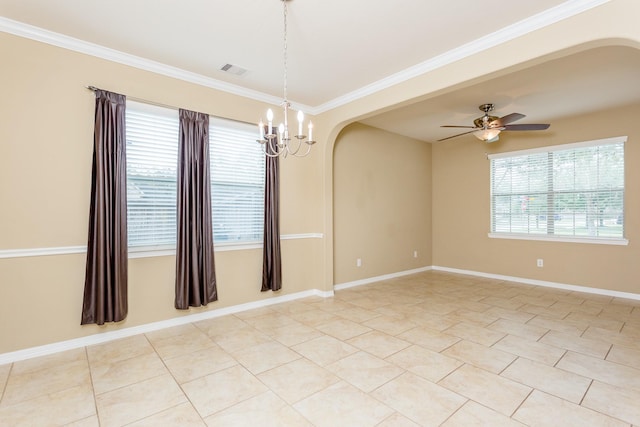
[
  {"x": 186, "y": 396},
  {"x": 521, "y": 403},
  {"x": 93, "y": 390},
  {"x": 6, "y": 383},
  {"x": 585, "y": 393}
]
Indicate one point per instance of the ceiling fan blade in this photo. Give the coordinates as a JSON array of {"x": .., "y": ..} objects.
[
  {"x": 531, "y": 126},
  {"x": 454, "y": 126},
  {"x": 460, "y": 134},
  {"x": 505, "y": 120}
]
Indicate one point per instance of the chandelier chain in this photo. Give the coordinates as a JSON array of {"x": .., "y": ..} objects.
[{"x": 284, "y": 3}]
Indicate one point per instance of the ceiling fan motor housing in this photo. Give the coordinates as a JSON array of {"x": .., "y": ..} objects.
[
  {"x": 483, "y": 122},
  {"x": 486, "y": 107}
]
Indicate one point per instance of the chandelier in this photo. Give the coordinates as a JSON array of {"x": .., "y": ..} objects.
[{"x": 280, "y": 143}]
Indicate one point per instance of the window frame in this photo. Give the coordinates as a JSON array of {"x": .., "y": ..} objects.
[{"x": 554, "y": 237}]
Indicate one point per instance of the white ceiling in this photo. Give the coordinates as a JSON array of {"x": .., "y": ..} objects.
[
  {"x": 585, "y": 82},
  {"x": 340, "y": 49}
]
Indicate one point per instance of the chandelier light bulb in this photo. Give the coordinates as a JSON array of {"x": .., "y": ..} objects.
[
  {"x": 270, "y": 120},
  {"x": 300, "y": 120}
]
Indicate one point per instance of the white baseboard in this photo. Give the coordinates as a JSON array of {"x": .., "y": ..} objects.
[
  {"x": 543, "y": 283},
  {"x": 127, "y": 332},
  {"x": 379, "y": 278},
  {"x": 546, "y": 284},
  {"x": 99, "y": 338}
]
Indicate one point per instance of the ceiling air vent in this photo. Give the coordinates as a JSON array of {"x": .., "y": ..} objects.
[{"x": 233, "y": 69}]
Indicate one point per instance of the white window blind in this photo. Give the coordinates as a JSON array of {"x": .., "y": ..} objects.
[
  {"x": 237, "y": 178},
  {"x": 574, "y": 190},
  {"x": 237, "y": 181},
  {"x": 152, "y": 161}
]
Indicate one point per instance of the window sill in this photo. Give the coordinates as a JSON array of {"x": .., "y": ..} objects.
[
  {"x": 154, "y": 251},
  {"x": 565, "y": 239},
  {"x": 170, "y": 250}
]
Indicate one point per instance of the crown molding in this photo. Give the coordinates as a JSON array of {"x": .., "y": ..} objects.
[
  {"x": 533, "y": 23},
  {"x": 81, "y": 46}
]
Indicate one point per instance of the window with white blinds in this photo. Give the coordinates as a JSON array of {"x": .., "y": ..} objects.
[
  {"x": 237, "y": 178},
  {"x": 237, "y": 181},
  {"x": 573, "y": 190},
  {"x": 152, "y": 164}
]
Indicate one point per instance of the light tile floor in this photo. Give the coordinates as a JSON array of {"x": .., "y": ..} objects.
[{"x": 428, "y": 349}]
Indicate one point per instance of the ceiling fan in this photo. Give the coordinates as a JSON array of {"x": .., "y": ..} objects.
[{"x": 487, "y": 128}]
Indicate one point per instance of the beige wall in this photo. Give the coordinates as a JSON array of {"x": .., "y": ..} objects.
[
  {"x": 45, "y": 170},
  {"x": 461, "y": 210},
  {"x": 46, "y": 136},
  {"x": 382, "y": 203},
  {"x": 612, "y": 23}
]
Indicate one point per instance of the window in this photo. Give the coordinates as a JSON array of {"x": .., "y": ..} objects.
[
  {"x": 237, "y": 178},
  {"x": 237, "y": 181},
  {"x": 573, "y": 191},
  {"x": 152, "y": 165}
]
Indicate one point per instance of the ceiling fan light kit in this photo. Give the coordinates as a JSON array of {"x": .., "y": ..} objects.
[
  {"x": 487, "y": 135},
  {"x": 487, "y": 128}
]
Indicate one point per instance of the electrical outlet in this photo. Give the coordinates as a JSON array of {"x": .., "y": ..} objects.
[
  {"x": 359, "y": 262},
  {"x": 540, "y": 262},
  {"x": 415, "y": 254}
]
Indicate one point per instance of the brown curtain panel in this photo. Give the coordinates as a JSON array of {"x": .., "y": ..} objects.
[
  {"x": 271, "y": 262},
  {"x": 195, "y": 267},
  {"x": 105, "y": 285}
]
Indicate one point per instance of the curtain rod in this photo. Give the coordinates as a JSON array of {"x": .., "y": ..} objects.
[
  {"x": 171, "y": 107},
  {"x": 144, "y": 101}
]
